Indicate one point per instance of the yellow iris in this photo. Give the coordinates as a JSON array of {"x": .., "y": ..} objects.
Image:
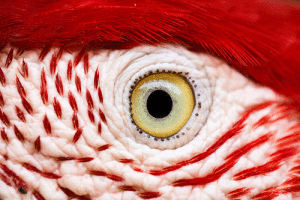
[{"x": 162, "y": 103}]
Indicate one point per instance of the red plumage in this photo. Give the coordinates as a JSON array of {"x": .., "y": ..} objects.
[{"x": 259, "y": 38}]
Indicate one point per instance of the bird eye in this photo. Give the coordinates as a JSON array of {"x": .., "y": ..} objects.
[
  {"x": 161, "y": 104},
  {"x": 163, "y": 96}
]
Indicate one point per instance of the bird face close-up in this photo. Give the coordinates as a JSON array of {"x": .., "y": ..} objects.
[{"x": 160, "y": 99}]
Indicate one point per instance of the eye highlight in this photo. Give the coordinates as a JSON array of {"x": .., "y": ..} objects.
[{"x": 162, "y": 103}]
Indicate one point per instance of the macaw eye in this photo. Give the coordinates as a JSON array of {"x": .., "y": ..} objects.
[
  {"x": 166, "y": 97},
  {"x": 161, "y": 104}
]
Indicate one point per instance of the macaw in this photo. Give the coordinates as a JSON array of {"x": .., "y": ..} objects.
[{"x": 70, "y": 72}]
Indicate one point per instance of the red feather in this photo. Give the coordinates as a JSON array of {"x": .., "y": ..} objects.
[{"x": 259, "y": 38}]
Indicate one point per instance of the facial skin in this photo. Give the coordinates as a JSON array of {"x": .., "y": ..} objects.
[{"x": 50, "y": 156}]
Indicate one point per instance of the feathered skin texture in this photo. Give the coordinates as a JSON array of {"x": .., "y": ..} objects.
[{"x": 260, "y": 39}]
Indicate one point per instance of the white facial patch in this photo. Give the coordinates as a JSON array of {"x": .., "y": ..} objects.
[{"x": 66, "y": 129}]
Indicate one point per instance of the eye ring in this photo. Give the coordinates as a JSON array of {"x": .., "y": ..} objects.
[{"x": 202, "y": 96}]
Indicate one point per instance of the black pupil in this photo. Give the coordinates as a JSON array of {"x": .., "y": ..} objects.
[{"x": 159, "y": 104}]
